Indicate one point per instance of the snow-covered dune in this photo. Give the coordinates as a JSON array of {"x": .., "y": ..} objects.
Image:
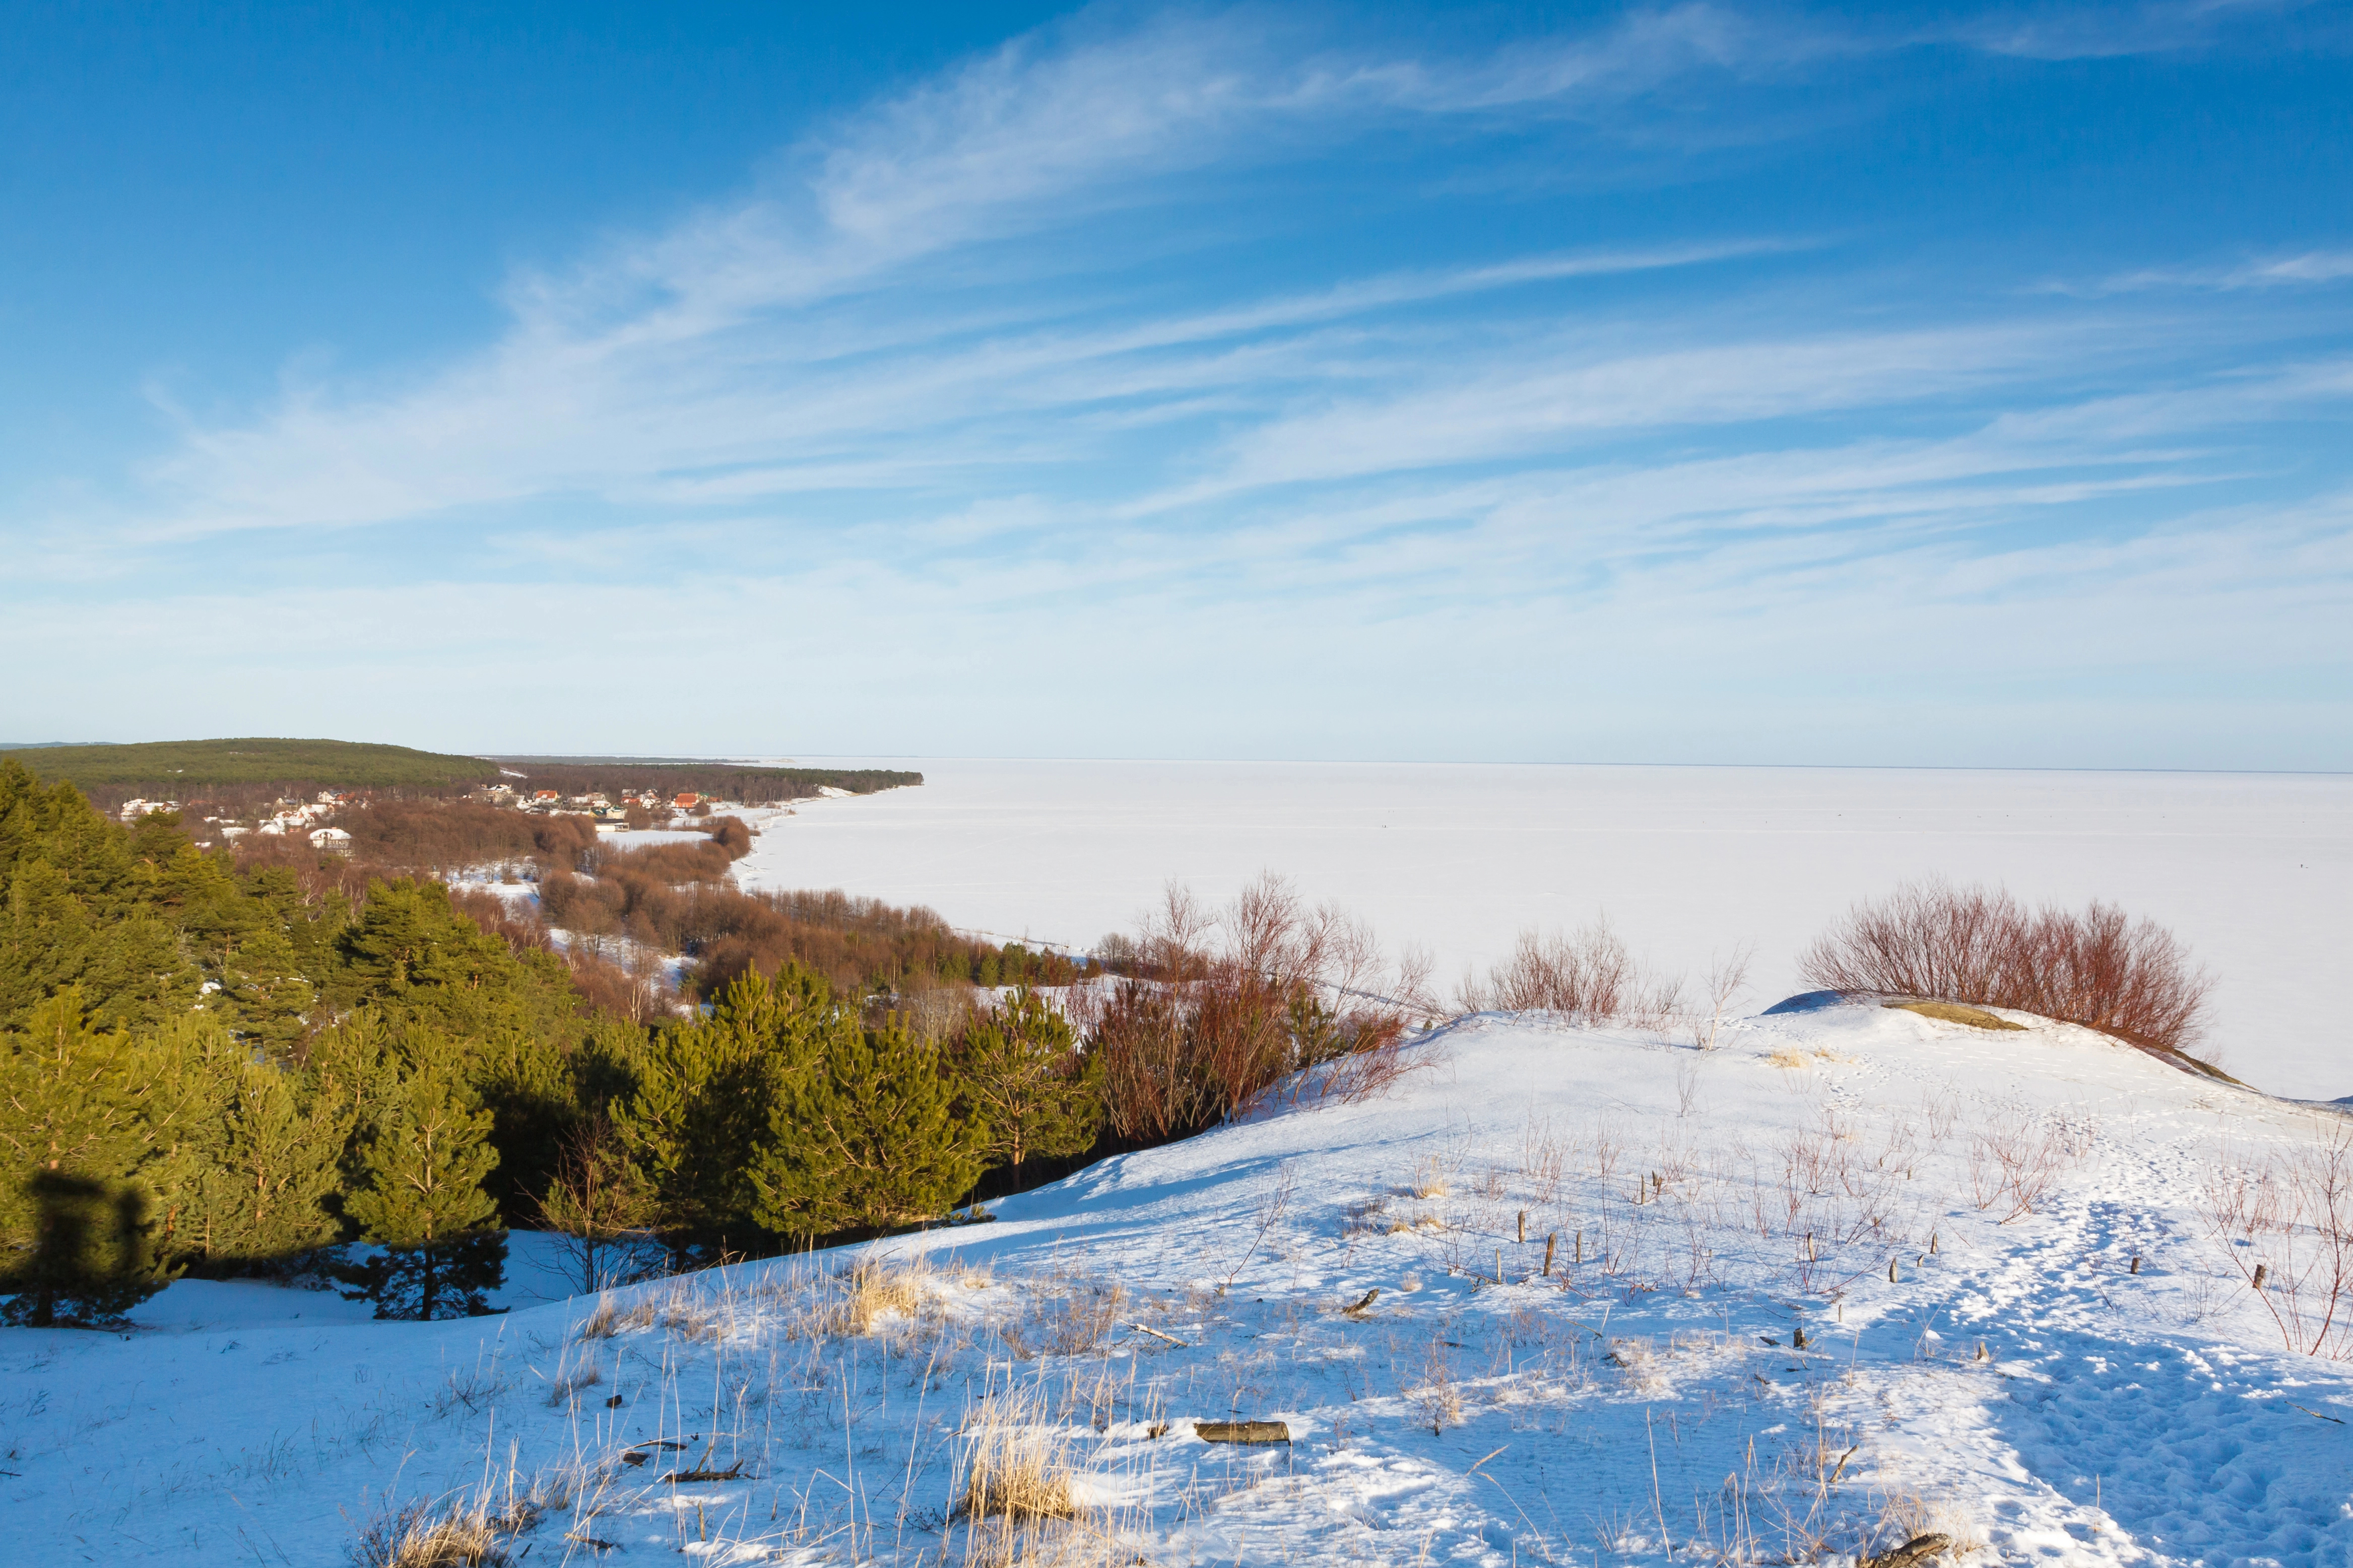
[{"x": 1950, "y": 1215}]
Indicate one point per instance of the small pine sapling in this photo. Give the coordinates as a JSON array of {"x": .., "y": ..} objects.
[
  {"x": 1030, "y": 1088},
  {"x": 423, "y": 1202}
]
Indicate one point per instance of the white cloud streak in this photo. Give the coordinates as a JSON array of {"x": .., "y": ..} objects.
[{"x": 914, "y": 393}]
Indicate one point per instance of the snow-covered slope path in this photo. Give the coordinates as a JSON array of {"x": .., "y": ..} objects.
[{"x": 1949, "y": 1214}]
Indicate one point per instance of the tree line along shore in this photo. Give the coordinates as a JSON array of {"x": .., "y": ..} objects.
[{"x": 256, "y": 1059}]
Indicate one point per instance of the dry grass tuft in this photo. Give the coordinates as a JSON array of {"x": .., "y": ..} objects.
[
  {"x": 1015, "y": 1466},
  {"x": 1073, "y": 1320},
  {"x": 568, "y": 1386},
  {"x": 424, "y": 1536},
  {"x": 1955, "y": 1013},
  {"x": 875, "y": 1289},
  {"x": 609, "y": 1320}
]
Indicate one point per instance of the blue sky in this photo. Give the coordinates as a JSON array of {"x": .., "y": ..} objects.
[{"x": 1691, "y": 383}]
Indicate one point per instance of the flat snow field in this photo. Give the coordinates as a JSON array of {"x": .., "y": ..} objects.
[
  {"x": 2020, "y": 1332},
  {"x": 2255, "y": 871}
]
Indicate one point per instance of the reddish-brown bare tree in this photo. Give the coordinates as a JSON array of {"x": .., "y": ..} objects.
[
  {"x": 2132, "y": 979},
  {"x": 1284, "y": 1002}
]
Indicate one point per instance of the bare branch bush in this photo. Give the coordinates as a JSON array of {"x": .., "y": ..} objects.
[
  {"x": 1263, "y": 1000},
  {"x": 2016, "y": 1161},
  {"x": 2286, "y": 1226},
  {"x": 1588, "y": 977},
  {"x": 2130, "y": 979},
  {"x": 598, "y": 1207},
  {"x": 1727, "y": 977}
]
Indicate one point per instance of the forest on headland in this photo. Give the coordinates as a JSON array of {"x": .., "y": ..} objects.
[
  {"x": 324, "y": 1067},
  {"x": 362, "y": 1068},
  {"x": 230, "y": 777}
]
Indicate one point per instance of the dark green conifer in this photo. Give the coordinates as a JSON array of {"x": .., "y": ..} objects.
[
  {"x": 698, "y": 1118},
  {"x": 264, "y": 992},
  {"x": 869, "y": 1138},
  {"x": 255, "y": 1155},
  {"x": 1032, "y": 1090},
  {"x": 423, "y": 1162},
  {"x": 77, "y": 1140}
]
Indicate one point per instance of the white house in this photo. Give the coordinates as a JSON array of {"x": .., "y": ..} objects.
[{"x": 332, "y": 841}]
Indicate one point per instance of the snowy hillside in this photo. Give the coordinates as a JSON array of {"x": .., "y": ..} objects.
[{"x": 1949, "y": 1214}]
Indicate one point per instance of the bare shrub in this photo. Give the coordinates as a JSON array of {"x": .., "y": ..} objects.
[
  {"x": 2015, "y": 1163},
  {"x": 1437, "y": 1399},
  {"x": 2286, "y": 1226},
  {"x": 598, "y": 1204},
  {"x": 2131, "y": 979},
  {"x": 634, "y": 985},
  {"x": 1544, "y": 1157},
  {"x": 1283, "y": 1001},
  {"x": 1726, "y": 979},
  {"x": 446, "y": 836},
  {"x": 1429, "y": 1177},
  {"x": 1588, "y": 977}
]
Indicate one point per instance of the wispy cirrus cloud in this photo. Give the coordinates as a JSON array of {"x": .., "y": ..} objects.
[
  {"x": 1026, "y": 358},
  {"x": 2302, "y": 269}
]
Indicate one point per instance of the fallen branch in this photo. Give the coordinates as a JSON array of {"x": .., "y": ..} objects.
[
  {"x": 1244, "y": 1432},
  {"x": 1918, "y": 1549},
  {"x": 733, "y": 1472}
]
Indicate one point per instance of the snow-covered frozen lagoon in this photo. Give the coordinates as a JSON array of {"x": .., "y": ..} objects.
[{"x": 2255, "y": 871}]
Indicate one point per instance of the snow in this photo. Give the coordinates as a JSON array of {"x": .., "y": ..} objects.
[
  {"x": 1627, "y": 1405},
  {"x": 2250, "y": 869}
]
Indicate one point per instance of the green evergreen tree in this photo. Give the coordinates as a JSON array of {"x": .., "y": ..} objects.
[
  {"x": 1028, "y": 1085},
  {"x": 78, "y": 908},
  {"x": 423, "y": 1162},
  {"x": 698, "y": 1118},
  {"x": 264, "y": 992},
  {"x": 255, "y": 1163},
  {"x": 90, "y": 1256},
  {"x": 526, "y": 1084},
  {"x": 76, "y": 1139},
  {"x": 871, "y": 1138},
  {"x": 411, "y": 956}
]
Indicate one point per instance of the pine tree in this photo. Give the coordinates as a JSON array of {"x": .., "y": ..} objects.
[
  {"x": 1028, "y": 1084},
  {"x": 75, "y": 1134},
  {"x": 78, "y": 908},
  {"x": 255, "y": 1161},
  {"x": 871, "y": 1138},
  {"x": 698, "y": 1119},
  {"x": 412, "y": 957},
  {"x": 264, "y": 991},
  {"x": 423, "y": 1162}
]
